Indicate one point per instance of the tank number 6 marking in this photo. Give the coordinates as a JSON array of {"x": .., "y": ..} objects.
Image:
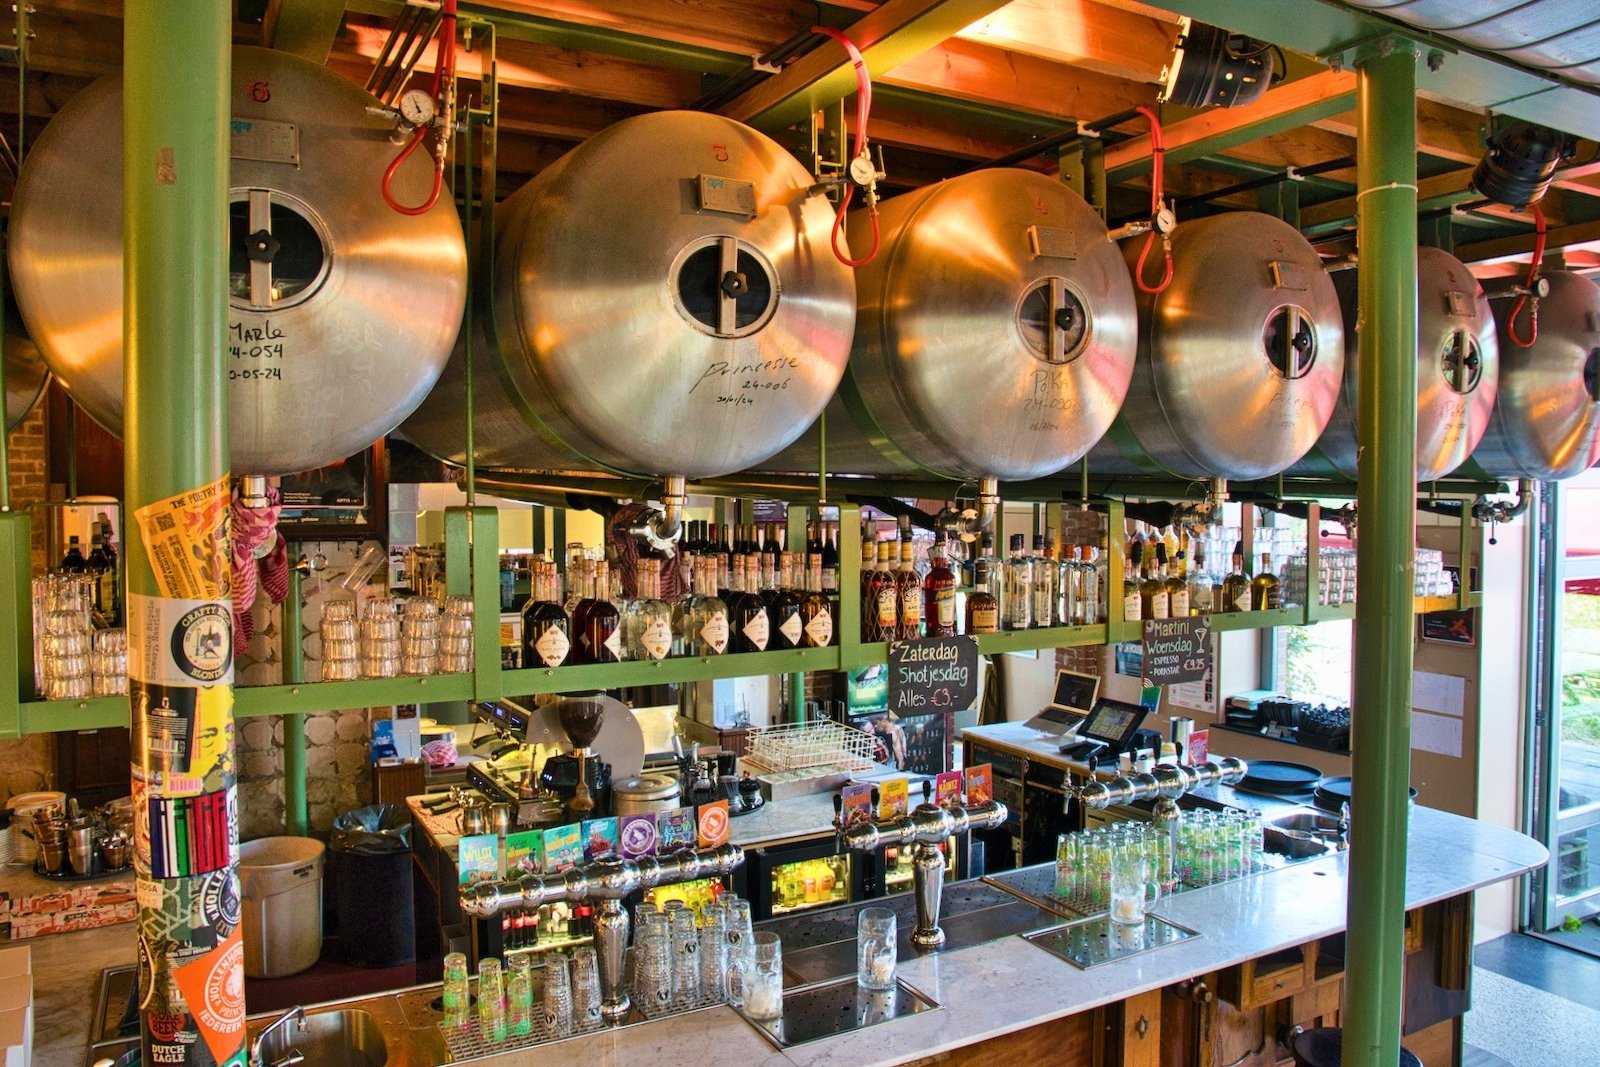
[{"x": 260, "y": 91}]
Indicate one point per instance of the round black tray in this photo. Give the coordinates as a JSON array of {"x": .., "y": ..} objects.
[
  {"x": 1273, "y": 776},
  {"x": 68, "y": 876}
]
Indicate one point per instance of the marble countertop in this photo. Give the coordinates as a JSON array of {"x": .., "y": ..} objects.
[
  {"x": 66, "y": 981},
  {"x": 1009, "y": 984}
]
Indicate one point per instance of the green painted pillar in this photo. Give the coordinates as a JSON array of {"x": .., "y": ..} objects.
[
  {"x": 180, "y": 616},
  {"x": 1386, "y": 236},
  {"x": 296, "y": 809}
]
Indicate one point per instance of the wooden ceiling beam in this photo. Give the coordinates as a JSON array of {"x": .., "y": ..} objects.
[
  {"x": 1081, "y": 33},
  {"x": 1581, "y": 235}
]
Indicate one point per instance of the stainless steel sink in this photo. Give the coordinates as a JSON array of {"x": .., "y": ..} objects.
[
  {"x": 349, "y": 1037},
  {"x": 1313, "y": 822},
  {"x": 1303, "y": 834}
]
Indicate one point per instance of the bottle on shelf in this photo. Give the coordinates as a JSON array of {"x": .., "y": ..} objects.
[
  {"x": 1132, "y": 603},
  {"x": 1153, "y": 603},
  {"x": 1201, "y": 593},
  {"x": 704, "y": 617},
  {"x": 1178, "y": 606},
  {"x": 1236, "y": 586},
  {"x": 1019, "y": 588},
  {"x": 983, "y": 610},
  {"x": 599, "y": 635},
  {"x": 648, "y": 631},
  {"x": 939, "y": 597},
  {"x": 102, "y": 570},
  {"x": 830, "y": 560},
  {"x": 886, "y": 594},
  {"x": 1264, "y": 587},
  {"x": 1092, "y": 606},
  {"x": 786, "y": 627},
  {"x": 73, "y": 562},
  {"x": 816, "y": 610},
  {"x": 908, "y": 594},
  {"x": 869, "y": 592},
  {"x": 1046, "y": 578},
  {"x": 749, "y": 624},
  {"x": 546, "y": 633}
]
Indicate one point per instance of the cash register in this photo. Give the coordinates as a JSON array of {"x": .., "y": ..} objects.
[{"x": 1105, "y": 734}]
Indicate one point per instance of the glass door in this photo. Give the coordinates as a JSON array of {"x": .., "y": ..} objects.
[{"x": 1566, "y": 726}]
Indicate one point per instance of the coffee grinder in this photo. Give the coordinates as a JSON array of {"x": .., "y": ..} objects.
[{"x": 580, "y": 778}]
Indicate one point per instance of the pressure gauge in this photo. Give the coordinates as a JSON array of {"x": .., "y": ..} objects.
[
  {"x": 862, "y": 172},
  {"x": 416, "y": 107}
]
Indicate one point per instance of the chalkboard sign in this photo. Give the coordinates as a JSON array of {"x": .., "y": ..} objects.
[
  {"x": 933, "y": 674},
  {"x": 1176, "y": 650}
]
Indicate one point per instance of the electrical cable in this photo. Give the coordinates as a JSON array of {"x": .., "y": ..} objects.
[
  {"x": 1157, "y": 177},
  {"x": 863, "y": 109},
  {"x": 1527, "y": 286},
  {"x": 444, "y": 70}
]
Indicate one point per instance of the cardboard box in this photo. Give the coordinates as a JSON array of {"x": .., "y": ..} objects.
[{"x": 16, "y": 1037}]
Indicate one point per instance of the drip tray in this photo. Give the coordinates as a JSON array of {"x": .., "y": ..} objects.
[
  {"x": 827, "y": 1009},
  {"x": 1092, "y": 942}
]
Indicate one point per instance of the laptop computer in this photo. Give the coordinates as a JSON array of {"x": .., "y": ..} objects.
[{"x": 1072, "y": 700}]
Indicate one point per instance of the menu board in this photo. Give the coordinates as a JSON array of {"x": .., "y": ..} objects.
[
  {"x": 1176, "y": 650},
  {"x": 933, "y": 674}
]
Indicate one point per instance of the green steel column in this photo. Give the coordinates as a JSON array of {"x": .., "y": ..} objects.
[
  {"x": 296, "y": 811},
  {"x": 175, "y": 179},
  {"x": 1386, "y": 235}
]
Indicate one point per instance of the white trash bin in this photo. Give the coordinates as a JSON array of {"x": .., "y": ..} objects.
[{"x": 280, "y": 883}]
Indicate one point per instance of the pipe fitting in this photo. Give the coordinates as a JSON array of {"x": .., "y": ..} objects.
[
  {"x": 1487, "y": 511},
  {"x": 661, "y": 528}
]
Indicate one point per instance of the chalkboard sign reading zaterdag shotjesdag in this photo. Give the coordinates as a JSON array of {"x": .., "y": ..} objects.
[
  {"x": 1176, "y": 650},
  {"x": 933, "y": 674}
]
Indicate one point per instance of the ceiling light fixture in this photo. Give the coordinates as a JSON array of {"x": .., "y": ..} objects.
[
  {"x": 1214, "y": 68},
  {"x": 1520, "y": 162}
]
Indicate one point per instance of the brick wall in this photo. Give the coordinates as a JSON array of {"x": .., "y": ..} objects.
[{"x": 28, "y": 763}]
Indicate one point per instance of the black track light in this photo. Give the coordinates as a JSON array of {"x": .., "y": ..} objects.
[
  {"x": 1517, "y": 167},
  {"x": 1214, "y": 68}
]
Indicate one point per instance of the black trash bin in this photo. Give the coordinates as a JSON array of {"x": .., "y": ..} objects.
[{"x": 369, "y": 870}]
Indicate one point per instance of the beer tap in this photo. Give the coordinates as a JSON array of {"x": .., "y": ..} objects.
[
  {"x": 924, "y": 829},
  {"x": 1165, "y": 785},
  {"x": 607, "y": 881}
]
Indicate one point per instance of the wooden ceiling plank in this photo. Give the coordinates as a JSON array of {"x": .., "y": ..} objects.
[{"x": 1081, "y": 33}]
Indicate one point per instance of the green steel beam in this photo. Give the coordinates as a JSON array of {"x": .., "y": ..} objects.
[
  {"x": 174, "y": 221},
  {"x": 1386, "y": 491},
  {"x": 886, "y": 36},
  {"x": 296, "y": 805},
  {"x": 306, "y": 28},
  {"x": 16, "y": 622}
]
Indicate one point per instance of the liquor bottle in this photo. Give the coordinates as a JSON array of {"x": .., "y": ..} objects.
[
  {"x": 1178, "y": 590},
  {"x": 546, "y": 637},
  {"x": 705, "y": 623},
  {"x": 578, "y": 613},
  {"x": 1264, "y": 588},
  {"x": 1236, "y": 587},
  {"x": 997, "y": 574},
  {"x": 649, "y": 630},
  {"x": 1092, "y": 605},
  {"x": 111, "y": 578},
  {"x": 983, "y": 610},
  {"x": 73, "y": 562},
  {"x": 1019, "y": 588},
  {"x": 939, "y": 597},
  {"x": 600, "y": 637},
  {"x": 886, "y": 594},
  {"x": 869, "y": 591},
  {"x": 816, "y": 611},
  {"x": 1200, "y": 589},
  {"x": 1153, "y": 602},
  {"x": 1132, "y": 603},
  {"x": 1046, "y": 577},
  {"x": 1169, "y": 537},
  {"x": 787, "y": 628},
  {"x": 830, "y": 560},
  {"x": 98, "y": 568},
  {"x": 769, "y": 554},
  {"x": 908, "y": 595},
  {"x": 747, "y": 612}
]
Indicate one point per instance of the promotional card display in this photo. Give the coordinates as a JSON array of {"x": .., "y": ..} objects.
[
  {"x": 600, "y": 839},
  {"x": 636, "y": 835},
  {"x": 675, "y": 829},
  {"x": 562, "y": 848},
  {"x": 711, "y": 829},
  {"x": 478, "y": 858},
  {"x": 894, "y": 798},
  {"x": 857, "y": 803},
  {"x": 947, "y": 789},
  {"x": 523, "y": 850},
  {"x": 980, "y": 784}
]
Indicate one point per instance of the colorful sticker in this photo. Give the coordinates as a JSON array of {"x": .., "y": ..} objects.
[
  {"x": 185, "y": 538},
  {"x": 636, "y": 835},
  {"x": 213, "y": 987},
  {"x": 980, "y": 784},
  {"x": 947, "y": 789},
  {"x": 189, "y": 915},
  {"x": 856, "y": 806},
  {"x": 600, "y": 839},
  {"x": 192, "y": 835},
  {"x": 182, "y": 738},
  {"x": 711, "y": 829},
  {"x": 478, "y": 858},
  {"x": 186, "y": 642},
  {"x": 522, "y": 852},
  {"x": 894, "y": 798},
  {"x": 562, "y": 847},
  {"x": 675, "y": 829}
]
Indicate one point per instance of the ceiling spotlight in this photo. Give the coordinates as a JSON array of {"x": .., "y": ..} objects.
[
  {"x": 1517, "y": 167},
  {"x": 1214, "y": 68}
]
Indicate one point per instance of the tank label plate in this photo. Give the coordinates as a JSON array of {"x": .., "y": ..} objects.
[
  {"x": 1052, "y": 241},
  {"x": 265, "y": 141},
  {"x": 727, "y": 195}
]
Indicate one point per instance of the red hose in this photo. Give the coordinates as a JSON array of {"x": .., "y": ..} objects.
[
  {"x": 863, "y": 109},
  {"x": 444, "y": 69},
  {"x": 1157, "y": 181},
  {"x": 1527, "y": 285}
]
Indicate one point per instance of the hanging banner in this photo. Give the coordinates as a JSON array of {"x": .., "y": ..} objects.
[{"x": 186, "y": 539}]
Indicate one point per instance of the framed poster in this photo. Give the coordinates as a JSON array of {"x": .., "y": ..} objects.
[{"x": 347, "y": 499}]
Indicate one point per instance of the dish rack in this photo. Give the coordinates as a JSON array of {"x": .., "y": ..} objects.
[{"x": 814, "y": 748}]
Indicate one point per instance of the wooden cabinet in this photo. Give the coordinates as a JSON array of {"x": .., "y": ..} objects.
[{"x": 93, "y": 765}]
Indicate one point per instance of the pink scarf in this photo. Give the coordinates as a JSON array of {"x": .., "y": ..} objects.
[{"x": 252, "y": 528}]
